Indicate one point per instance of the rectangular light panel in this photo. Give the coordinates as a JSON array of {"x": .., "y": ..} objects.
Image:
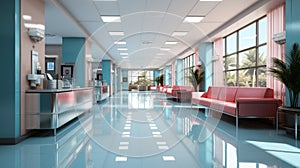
[{"x": 109, "y": 19}]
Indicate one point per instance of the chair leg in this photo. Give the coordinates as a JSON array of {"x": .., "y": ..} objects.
[{"x": 236, "y": 124}]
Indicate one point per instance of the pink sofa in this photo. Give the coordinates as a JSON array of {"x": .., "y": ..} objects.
[
  {"x": 180, "y": 93},
  {"x": 240, "y": 102}
]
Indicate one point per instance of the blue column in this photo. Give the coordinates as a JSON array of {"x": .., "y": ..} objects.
[
  {"x": 179, "y": 72},
  {"x": 118, "y": 79},
  {"x": 292, "y": 28},
  {"x": 156, "y": 74},
  {"x": 106, "y": 71},
  {"x": 125, "y": 84},
  {"x": 73, "y": 51},
  {"x": 205, "y": 55},
  {"x": 167, "y": 76},
  {"x": 10, "y": 71}
]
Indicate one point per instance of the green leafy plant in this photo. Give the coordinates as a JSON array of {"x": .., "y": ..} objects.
[
  {"x": 160, "y": 79},
  {"x": 196, "y": 77},
  {"x": 289, "y": 74}
]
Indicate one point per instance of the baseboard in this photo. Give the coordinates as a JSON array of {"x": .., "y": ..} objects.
[{"x": 13, "y": 141}]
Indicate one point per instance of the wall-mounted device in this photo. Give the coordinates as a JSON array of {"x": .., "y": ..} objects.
[
  {"x": 35, "y": 76},
  {"x": 35, "y": 79},
  {"x": 279, "y": 38},
  {"x": 36, "y": 34}
]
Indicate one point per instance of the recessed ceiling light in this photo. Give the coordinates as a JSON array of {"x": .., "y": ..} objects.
[
  {"x": 168, "y": 158},
  {"x": 165, "y": 49},
  {"x": 193, "y": 19},
  {"x": 120, "y": 42},
  {"x": 121, "y": 159},
  {"x": 108, "y": 19},
  {"x": 116, "y": 33},
  {"x": 179, "y": 33},
  {"x": 171, "y": 42},
  {"x": 160, "y": 54},
  {"x": 123, "y": 53},
  {"x": 124, "y": 57},
  {"x": 122, "y": 49},
  {"x": 27, "y": 17},
  {"x": 32, "y": 25}
]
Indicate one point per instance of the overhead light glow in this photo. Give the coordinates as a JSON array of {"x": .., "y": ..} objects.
[
  {"x": 123, "y": 53},
  {"x": 171, "y": 42},
  {"x": 124, "y": 57},
  {"x": 160, "y": 54},
  {"x": 193, "y": 19},
  {"x": 165, "y": 49},
  {"x": 122, "y": 49},
  {"x": 108, "y": 19},
  {"x": 116, "y": 33},
  {"x": 179, "y": 33},
  {"x": 120, "y": 42},
  {"x": 31, "y": 25},
  {"x": 27, "y": 17}
]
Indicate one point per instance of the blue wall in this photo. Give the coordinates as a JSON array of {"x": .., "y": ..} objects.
[
  {"x": 73, "y": 51},
  {"x": 167, "y": 76},
  {"x": 118, "y": 79},
  {"x": 292, "y": 27},
  {"x": 106, "y": 71},
  {"x": 205, "y": 55},
  {"x": 10, "y": 69},
  {"x": 179, "y": 72},
  {"x": 156, "y": 74}
]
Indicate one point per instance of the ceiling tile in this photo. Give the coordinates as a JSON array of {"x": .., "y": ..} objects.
[{"x": 82, "y": 10}]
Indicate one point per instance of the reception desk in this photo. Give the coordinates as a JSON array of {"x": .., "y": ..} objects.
[
  {"x": 101, "y": 93},
  {"x": 50, "y": 109}
]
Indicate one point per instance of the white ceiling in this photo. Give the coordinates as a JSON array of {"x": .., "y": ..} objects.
[{"x": 148, "y": 24}]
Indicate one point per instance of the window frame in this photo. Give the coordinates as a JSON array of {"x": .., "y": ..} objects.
[{"x": 238, "y": 52}]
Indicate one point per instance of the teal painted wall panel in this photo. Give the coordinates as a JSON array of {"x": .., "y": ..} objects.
[
  {"x": 156, "y": 74},
  {"x": 106, "y": 70},
  {"x": 292, "y": 27},
  {"x": 73, "y": 51},
  {"x": 118, "y": 79},
  {"x": 179, "y": 72},
  {"x": 205, "y": 55},
  {"x": 10, "y": 69},
  {"x": 167, "y": 76}
]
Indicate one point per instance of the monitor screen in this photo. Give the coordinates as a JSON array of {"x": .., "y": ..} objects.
[{"x": 50, "y": 66}]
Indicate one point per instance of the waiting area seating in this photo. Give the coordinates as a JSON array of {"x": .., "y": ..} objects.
[
  {"x": 178, "y": 93},
  {"x": 239, "y": 102}
]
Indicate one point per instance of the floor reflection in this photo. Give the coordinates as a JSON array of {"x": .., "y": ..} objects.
[{"x": 145, "y": 129}]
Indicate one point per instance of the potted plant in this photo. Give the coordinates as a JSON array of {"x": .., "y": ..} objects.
[
  {"x": 196, "y": 77},
  {"x": 160, "y": 80},
  {"x": 288, "y": 72}
]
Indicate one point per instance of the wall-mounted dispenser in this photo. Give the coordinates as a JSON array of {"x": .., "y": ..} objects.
[
  {"x": 35, "y": 79},
  {"x": 35, "y": 76}
]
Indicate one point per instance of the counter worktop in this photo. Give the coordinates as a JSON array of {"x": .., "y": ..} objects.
[{"x": 56, "y": 90}]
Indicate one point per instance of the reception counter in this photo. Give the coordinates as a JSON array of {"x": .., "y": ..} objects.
[{"x": 50, "y": 109}]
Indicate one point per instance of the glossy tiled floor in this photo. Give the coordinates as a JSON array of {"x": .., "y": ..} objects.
[{"x": 144, "y": 129}]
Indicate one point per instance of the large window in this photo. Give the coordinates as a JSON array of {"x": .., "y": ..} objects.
[
  {"x": 188, "y": 62},
  {"x": 245, "y": 55},
  {"x": 140, "y": 77}
]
